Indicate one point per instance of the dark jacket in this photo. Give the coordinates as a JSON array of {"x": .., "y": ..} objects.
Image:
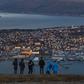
[
  {"x": 22, "y": 65},
  {"x": 41, "y": 63},
  {"x": 30, "y": 64}
]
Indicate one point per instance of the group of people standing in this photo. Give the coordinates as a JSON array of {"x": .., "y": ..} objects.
[
  {"x": 50, "y": 67},
  {"x": 21, "y": 66}
]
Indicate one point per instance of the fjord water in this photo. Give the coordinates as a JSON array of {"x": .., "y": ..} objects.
[
  {"x": 70, "y": 67},
  {"x": 28, "y": 21}
]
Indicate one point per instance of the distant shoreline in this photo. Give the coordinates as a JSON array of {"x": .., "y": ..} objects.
[
  {"x": 44, "y": 28},
  {"x": 69, "y": 15}
]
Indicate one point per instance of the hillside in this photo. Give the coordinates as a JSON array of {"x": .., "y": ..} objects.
[{"x": 51, "y": 7}]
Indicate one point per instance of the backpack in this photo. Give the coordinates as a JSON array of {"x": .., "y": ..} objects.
[{"x": 41, "y": 63}]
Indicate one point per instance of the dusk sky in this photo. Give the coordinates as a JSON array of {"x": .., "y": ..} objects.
[{"x": 48, "y": 7}]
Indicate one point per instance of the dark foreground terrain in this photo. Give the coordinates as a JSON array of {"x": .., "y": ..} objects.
[{"x": 41, "y": 79}]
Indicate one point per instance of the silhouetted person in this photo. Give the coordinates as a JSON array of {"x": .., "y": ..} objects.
[
  {"x": 22, "y": 66},
  {"x": 41, "y": 65},
  {"x": 30, "y": 66},
  {"x": 15, "y": 66},
  {"x": 55, "y": 67},
  {"x": 49, "y": 67}
]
